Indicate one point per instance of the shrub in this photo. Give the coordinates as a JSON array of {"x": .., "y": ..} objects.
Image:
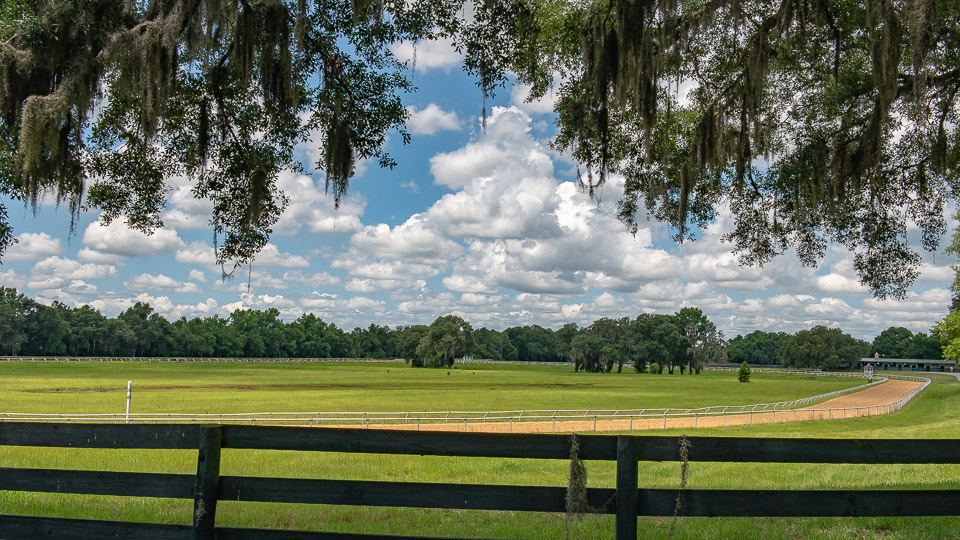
[
  {"x": 654, "y": 368},
  {"x": 744, "y": 374}
]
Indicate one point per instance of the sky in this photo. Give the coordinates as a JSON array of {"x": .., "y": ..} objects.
[{"x": 487, "y": 224}]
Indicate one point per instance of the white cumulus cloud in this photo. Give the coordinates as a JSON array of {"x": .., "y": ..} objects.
[
  {"x": 431, "y": 119},
  {"x": 32, "y": 246},
  {"x": 119, "y": 239}
]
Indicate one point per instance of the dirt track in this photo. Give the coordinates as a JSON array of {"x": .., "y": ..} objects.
[{"x": 869, "y": 402}]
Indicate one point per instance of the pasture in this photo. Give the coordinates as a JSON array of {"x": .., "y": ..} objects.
[
  {"x": 246, "y": 388},
  {"x": 300, "y": 387}
]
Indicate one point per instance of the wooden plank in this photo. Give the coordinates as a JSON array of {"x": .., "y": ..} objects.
[
  {"x": 800, "y": 503},
  {"x": 773, "y": 450},
  {"x": 174, "y": 486},
  {"x": 145, "y": 436},
  {"x": 626, "y": 509},
  {"x": 404, "y": 494},
  {"x": 207, "y": 483},
  {"x": 376, "y": 441},
  {"x": 31, "y": 528},
  {"x": 232, "y": 533}
]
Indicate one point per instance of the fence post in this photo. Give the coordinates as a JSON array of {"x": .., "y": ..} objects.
[
  {"x": 208, "y": 483},
  {"x": 626, "y": 524}
]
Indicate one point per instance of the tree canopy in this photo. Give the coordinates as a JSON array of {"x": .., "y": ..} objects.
[
  {"x": 809, "y": 121},
  {"x": 827, "y": 348}
]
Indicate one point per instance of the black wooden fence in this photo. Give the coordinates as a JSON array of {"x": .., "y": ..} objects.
[{"x": 628, "y": 502}]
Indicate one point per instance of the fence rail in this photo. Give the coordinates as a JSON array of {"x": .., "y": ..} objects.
[{"x": 626, "y": 501}]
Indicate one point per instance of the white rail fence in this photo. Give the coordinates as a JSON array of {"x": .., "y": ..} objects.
[{"x": 781, "y": 411}]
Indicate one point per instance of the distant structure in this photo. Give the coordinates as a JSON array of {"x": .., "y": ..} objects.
[
  {"x": 906, "y": 364},
  {"x": 868, "y": 370}
]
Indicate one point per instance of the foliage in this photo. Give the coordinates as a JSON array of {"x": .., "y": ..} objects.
[
  {"x": 899, "y": 342},
  {"x": 655, "y": 368},
  {"x": 851, "y": 105},
  {"x": 119, "y": 94},
  {"x": 444, "y": 340},
  {"x": 822, "y": 347},
  {"x": 743, "y": 374},
  {"x": 816, "y": 90},
  {"x": 704, "y": 342},
  {"x": 947, "y": 331},
  {"x": 757, "y": 347},
  {"x": 533, "y": 343}
]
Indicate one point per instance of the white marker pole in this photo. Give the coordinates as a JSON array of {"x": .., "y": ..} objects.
[{"x": 129, "y": 384}]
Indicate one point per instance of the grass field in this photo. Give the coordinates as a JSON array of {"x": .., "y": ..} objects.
[
  {"x": 303, "y": 387},
  {"x": 934, "y": 414}
]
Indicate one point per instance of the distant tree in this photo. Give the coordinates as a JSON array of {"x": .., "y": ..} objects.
[
  {"x": 408, "y": 341},
  {"x": 357, "y": 343},
  {"x": 493, "y": 345},
  {"x": 12, "y": 334},
  {"x": 446, "y": 338},
  {"x": 534, "y": 343},
  {"x": 585, "y": 352},
  {"x": 704, "y": 341},
  {"x": 822, "y": 347},
  {"x": 312, "y": 342},
  {"x": 195, "y": 337},
  {"x": 88, "y": 331},
  {"x": 120, "y": 338},
  {"x": 947, "y": 330},
  {"x": 229, "y": 340},
  {"x": 894, "y": 342},
  {"x": 925, "y": 347},
  {"x": 658, "y": 339},
  {"x": 757, "y": 347},
  {"x": 564, "y": 336}
]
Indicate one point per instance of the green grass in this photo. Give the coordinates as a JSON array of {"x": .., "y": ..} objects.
[
  {"x": 309, "y": 387},
  {"x": 933, "y": 414}
]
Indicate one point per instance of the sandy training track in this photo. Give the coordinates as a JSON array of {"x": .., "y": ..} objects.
[{"x": 870, "y": 402}]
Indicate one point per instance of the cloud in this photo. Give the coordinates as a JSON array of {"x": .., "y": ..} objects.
[
  {"x": 58, "y": 272},
  {"x": 187, "y": 211},
  {"x": 312, "y": 208},
  {"x": 427, "y": 55},
  {"x": 171, "y": 311},
  {"x": 291, "y": 279},
  {"x": 197, "y": 275},
  {"x": 196, "y": 252},
  {"x": 12, "y": 279},
  {"x": 271, "y": 256},
  {"x": 119, "y": 239},
  {"x": 150, "y": 282},
  {"x": 411, "y": 241},
  {"x": 32, "y": 246},
  {"x": 520, "y": 95},
  {"x": 91, "y": 256},
  {"x": 431, "y": 119}
]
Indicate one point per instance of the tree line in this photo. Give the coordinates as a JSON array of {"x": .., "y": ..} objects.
[
  {"x": 830, "y": 348},
  {"x": 686, "y": 340}
]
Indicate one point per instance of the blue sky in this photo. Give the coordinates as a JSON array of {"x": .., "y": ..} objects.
[{"x": 485, "y": 224}]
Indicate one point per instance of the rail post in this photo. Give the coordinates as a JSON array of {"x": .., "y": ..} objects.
[
  {"x": 626, "y": 520},
  {"x": 208, "y": 483}
]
